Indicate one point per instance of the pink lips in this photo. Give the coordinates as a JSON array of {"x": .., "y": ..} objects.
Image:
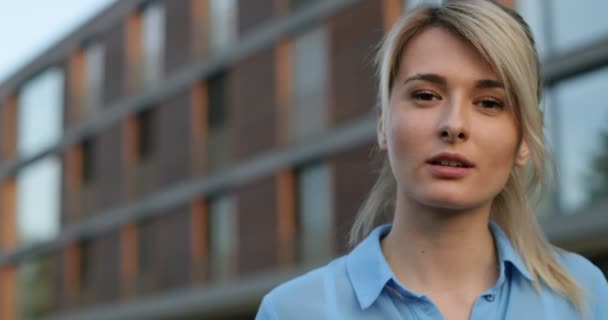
[{"x": 442, "y": 166}]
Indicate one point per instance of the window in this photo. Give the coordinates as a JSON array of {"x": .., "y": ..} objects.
[
  {"x": 581, "y": 139},
  {"x": 145, "y": 134},
  {"x": 40, "y": 113},
  {"x": 308, "y": 111},
  {"x": 153, "y": 43},
  {"x": 314, "y": 212},
  {"x": 38, "y": 200},
  {"x": 35, "y": 287},
  {"x": 145, "y": 255},
  {"x": 533, "y": 13},
  {"x": 575, "y": 24},
  {"x": 85, "y": 264},
  {"x": 222, "y": 236},
  {"x": 222, "y": 17},
  {"x": 88, "y": 161},
  {"x": 218, "y": 142},
  {"x": 299, "y": 4},
  {"x": 410, "y": 4},
  {"x": 94, "y": 76}
]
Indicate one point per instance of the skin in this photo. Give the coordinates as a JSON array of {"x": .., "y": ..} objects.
[{"x": 446, "y": 98}]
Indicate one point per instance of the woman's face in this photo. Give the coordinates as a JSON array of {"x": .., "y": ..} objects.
[{"x": 450, "y": 135}]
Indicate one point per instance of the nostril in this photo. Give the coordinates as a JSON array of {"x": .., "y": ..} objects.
[{"x": 461, "y": 135}]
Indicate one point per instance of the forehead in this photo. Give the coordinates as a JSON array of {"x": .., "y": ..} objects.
[{"x": 439, "y": 51}]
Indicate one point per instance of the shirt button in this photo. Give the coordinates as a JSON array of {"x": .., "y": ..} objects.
[{"x": 489, "y": 297}]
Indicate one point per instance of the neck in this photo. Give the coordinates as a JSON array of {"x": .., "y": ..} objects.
[{"x": 431, "y": 249}]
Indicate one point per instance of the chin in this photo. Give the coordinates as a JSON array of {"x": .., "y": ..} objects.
[{"x": 450, "y": 201}]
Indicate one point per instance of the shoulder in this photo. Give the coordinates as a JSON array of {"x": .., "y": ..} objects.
[
  {"x": 590, "y": 277},
  {"x": 581, "y": 269},
  {"x": 309, "y": 293}
]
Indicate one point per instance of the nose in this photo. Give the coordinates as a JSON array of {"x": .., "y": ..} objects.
[{"x": 453, "y": 125}]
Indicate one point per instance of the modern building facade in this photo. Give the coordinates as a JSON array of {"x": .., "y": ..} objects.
[{"x": 176, "y": 159}]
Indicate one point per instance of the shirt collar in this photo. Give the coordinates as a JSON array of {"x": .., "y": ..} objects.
[
  {"x": 369, "y": 272},
  {"x": 507, "y": 253}
]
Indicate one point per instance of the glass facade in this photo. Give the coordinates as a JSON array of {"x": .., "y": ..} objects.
[
  {"x": 222, "y": 18},
  {"x": 314, "y": 212},
  {"x": 222, "y": 236},
  {"x": 308, "y": 110},
  {"x": 38, "y": 184},
  {"x": 153, "y": 43},
  {"x": 581, "y": 131},
  {"x": 40, "y": 113},
  {"x": 217, "y": 146},
  {"x": 94, "y": 57}
]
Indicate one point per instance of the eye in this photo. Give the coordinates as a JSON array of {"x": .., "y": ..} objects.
[
  {"x": 490, "y": 103},
  {"x": 425, "y": 96}
]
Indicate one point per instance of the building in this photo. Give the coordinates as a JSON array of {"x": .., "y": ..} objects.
[{"x": 176, "y": 159}]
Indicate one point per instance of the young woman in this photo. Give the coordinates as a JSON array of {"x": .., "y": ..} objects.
[{"x": 461, "y": 128}]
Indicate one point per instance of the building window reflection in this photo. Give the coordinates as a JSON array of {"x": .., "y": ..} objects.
[
  {"x": 94, "y": 56},
  {"x": 222, "y": 236},
  {"x": 40, "y": 113},
  {"x": 222, "y": 19},
  {"x": 314, "y": 212},
  {"x": 308, "y": 108},
  {"x": 581, "y": 139},
  {"x": 153, "y": 43},
  {"x": 39, "y": 127}
]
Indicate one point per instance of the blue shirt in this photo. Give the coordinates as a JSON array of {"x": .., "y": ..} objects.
[{"x": 362, "y": 286}]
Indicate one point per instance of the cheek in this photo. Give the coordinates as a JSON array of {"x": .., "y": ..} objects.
[{"x": 407, "y": 131}]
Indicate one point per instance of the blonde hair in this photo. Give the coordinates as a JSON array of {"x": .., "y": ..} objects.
[{"x": 505, "y": 41}]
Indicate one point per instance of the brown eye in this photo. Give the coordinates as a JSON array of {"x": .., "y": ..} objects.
[
  {"x": 490, "y": 104},
  {"x": 424, "y": 96}
]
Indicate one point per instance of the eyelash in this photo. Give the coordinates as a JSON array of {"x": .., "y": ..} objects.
[
  {"x": 425, "y": 96},
  {"x": 421, "y": 95},
  {"x": 496, "y": 104}
]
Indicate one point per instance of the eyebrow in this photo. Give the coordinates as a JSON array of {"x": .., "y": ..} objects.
[{"x": 442, "y": 81}]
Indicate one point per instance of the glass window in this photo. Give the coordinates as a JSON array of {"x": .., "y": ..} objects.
[
  {"x": 218, "y": 142},
  {"x": 581, "y": 139},
  {"x": 145, "y": 134},
  {"x": 40, "y": 113},
  {"x": 145, "y": 248},
  {"x": 308, "y": 112},
  {"x": 314, "y": 209},
  {"x": 410, "y": 4},
  {"x": 533, "y": 14},
  {"x": 222, "y": 235},
  {"x": 576, "y": 23},
  {"x": 38, "y": 196},
  {"x": 35, "y": 287},
  {"x": 88, "y": 161},
  {"x": 153, "y": 43},
  {"x": 222, "y": 17},
  {"x": 94, "y": 75},
  {"x": 298, "y": 4}
]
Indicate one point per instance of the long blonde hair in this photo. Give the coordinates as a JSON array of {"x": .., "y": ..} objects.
[{"x": 505, "y": 41}]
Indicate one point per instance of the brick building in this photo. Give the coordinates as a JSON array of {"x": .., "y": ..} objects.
[{"x": 176, "y": 159}]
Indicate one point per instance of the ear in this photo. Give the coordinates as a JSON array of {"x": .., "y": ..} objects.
[
  {"x": 523, "y": 154},
  {"x": 381, "y": 134}
]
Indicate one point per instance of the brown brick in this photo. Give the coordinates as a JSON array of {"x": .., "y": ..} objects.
[
  {"x": 257, "y": 226},
  {"x": 354, "y": 35},
  {"x": 178, "y": 31},
  {"x": 254, "y": 107},
  {"x": 354, "y": 175}
]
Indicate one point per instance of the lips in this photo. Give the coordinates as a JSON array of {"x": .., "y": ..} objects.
[
  {"x": 450, "y": 166},
  {"x": 451, "y": 159}
]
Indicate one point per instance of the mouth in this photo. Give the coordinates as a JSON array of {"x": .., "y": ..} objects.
[
  {"x": 450, "y": 166},
  {"x": 451, "y": 160}
]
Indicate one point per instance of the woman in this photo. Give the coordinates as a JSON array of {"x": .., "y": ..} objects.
[{"x": 462, "y": 131}]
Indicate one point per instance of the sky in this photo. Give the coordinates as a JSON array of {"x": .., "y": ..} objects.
[{"x": 31, "y": 26}]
